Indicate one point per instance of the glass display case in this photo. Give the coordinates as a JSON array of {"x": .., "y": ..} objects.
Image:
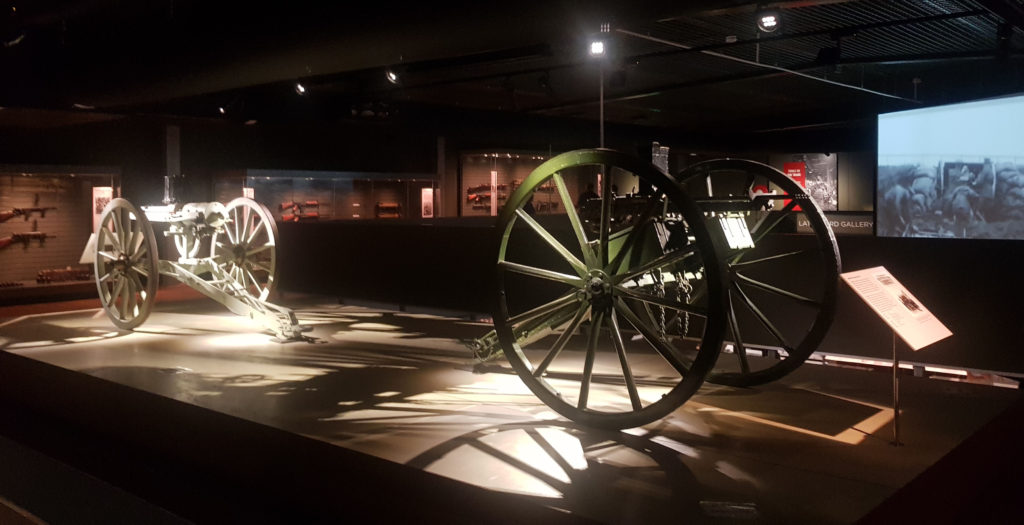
[
  {"x": 301, "y": 196},
  {"x": 488, "y": 178},
  {"x": 46, "y": 216}
]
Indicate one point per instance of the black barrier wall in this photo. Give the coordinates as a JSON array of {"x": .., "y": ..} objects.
[{"x": 974, "y": 287}]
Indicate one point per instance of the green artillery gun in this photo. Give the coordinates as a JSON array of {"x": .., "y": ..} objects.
[{"x": 614, "y": 314}]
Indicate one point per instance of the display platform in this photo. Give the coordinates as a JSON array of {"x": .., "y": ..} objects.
[{"x": 376, "y": 384}]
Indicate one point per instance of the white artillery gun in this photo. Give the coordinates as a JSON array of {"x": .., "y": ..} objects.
[{"x": 238, "y": 269}]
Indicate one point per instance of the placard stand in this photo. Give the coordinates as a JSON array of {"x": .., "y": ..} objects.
[
  {"x": 895, "y": 395},
  {"x": 904, "y": 314}
]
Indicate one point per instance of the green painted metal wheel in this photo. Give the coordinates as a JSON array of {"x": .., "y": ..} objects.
[
  {"x": 588, "y": 292},
  {"x": 782, "y": 292}
]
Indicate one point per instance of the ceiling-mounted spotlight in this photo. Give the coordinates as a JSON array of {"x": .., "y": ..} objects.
[
  {"x": 300, "y": 89},
  {"x": 599, "y": 42},
  {"x": 391, "y": 75},
  {"x": 768, "y": 20},
  {"x": 222, "y": 110}
]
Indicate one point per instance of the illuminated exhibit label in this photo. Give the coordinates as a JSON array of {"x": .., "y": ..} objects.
[
  {"x": 494, "y": 193},
  {"x": 897, "y": 307},
  {"x": 842, "y": 223},
  {"x": 101, "y": 196},
  {"x": 426, "y": 202}
]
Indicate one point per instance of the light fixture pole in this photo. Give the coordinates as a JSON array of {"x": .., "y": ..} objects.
[
  {"x": 600, "y": 117},
  {"x": 599, "y": 50}
]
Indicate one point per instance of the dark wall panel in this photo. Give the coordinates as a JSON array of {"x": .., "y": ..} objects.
[{"x": 974, "y": 287}]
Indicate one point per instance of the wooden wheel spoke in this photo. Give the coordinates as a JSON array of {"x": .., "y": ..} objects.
[
  {"x": 543, "y": 309},
  {"x": 580, "y": 268},
  {"x": 541, "y": 273},
  {"x": 140, "y": 287},
  {"x": 134, "y": 243},
  {"x": 107, "y": 255},
  {"x": 258, "y": 226},
  {"x": 667, "y": 351},
  {"x": 237, "y": 226},
  {"x": 246, "y": 217},
  {"x": 229, "y": 229},
  {"x": 129, "y": 229},
  {"x": 759, "y": 233},
  {"x": 106, "y": 277},
  {"x": 762, "y": 318},
  {"x": 588, "y": 365},
  {"x": 563, "y": 338},
  {"x": 589, "y": 257},
  {"x": 115, "y": 294},
  {"x": 126, "y": 310},
  {"x": 253, "y": 279},
  {"x": 130, "y": 297},
  {"x": 667, "y": 259},
  {"x": 769, "y": 258},
  {"x": 662, "y": 301},
  {"x": 108, "y": 235},
  {"x": 239, "y": 276},
  {"x": 139, "y": 254},
  {"x": 627, "y": 373},
  {"x": 636, "y": 231},
  {"x": 606, "y": 214},
  {"x": 741, "y": 351},
  {"x": 261, "y": 249},
  {"x": 119, "y": 220},
  {"x": 776, "y": 290}
]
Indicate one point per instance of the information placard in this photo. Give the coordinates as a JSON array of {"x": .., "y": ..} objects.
[{"x": 897, "y": 307}]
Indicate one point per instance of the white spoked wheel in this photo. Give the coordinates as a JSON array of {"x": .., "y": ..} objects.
[
  {"x": 188, "y": 245},
  {"x": 126, "y": 264},
  {"x": 246, "y": 246}
]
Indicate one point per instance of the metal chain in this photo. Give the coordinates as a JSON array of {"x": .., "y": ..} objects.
[
  {"x": 683, "y": 289},
  {"x": 659, "y": 290}
]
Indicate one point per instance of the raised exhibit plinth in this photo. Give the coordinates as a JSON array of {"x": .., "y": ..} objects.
[{"x": 384, "y": 417}]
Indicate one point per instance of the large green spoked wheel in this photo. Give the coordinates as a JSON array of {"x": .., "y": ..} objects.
[
  {"x": 585, "y": 296},
  {"x": 782, "y": 292},
  {"x": 126, "y": 264},
  {"x": 246, "y": 248}
]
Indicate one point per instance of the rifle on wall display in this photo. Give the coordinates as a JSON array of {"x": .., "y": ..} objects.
[
  {"x": 24, "y": 212},
  {"x": 299, "y": 211},
  {"x": 24, "y": 238}
]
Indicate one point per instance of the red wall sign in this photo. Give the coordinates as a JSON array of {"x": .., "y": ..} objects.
[{"x": 798, "y": 172}]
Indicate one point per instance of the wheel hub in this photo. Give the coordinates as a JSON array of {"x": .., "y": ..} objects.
[
  {"x": 122, "y": 263},
  {"x": 238, "y": 254},
  {"x": 598, "y": 288}
]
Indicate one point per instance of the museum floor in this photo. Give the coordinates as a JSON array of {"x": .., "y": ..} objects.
[{"x": 814, "y": 447}]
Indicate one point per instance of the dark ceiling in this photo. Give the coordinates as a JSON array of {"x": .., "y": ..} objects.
[{"x": 688, "y": 66}]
